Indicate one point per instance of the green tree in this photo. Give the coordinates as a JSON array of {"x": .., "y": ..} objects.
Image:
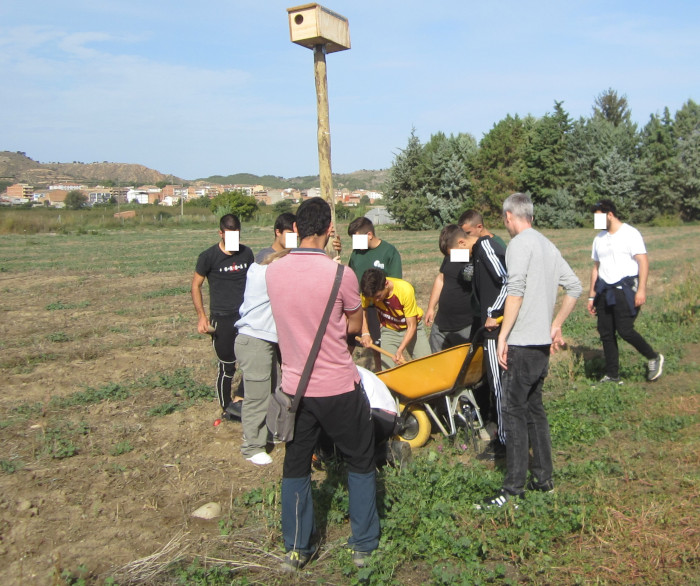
[
  {"x": 609, "y": 106},
  {"x": 453, "y": 194},
  {"x": 687, "y": 138},
  {"x": 689, "y": 176},
  {"x": 405, "y": 198},
  {"x": 198, "y": 202},
  {"x": 614, "y": 180},
  {"x": 161, "y": 184},
  {"x": 499, "y": 164},
  {"x": 282, "y": 206},
  {"x": 590, "y": 142},
  {"x": 234, "y": 202},
  {"x": 342, "y": 212},
  {"x": 559, "y": 211},
  {"x": 656, "y": 168},
  {"x": 545, "y": 155},
  {"x": 75, "y": 199}
]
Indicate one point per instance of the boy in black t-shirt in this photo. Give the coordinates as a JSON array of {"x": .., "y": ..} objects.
[
  {"x": 225, "y": 271},
  {"x": 451, "y": 292}
]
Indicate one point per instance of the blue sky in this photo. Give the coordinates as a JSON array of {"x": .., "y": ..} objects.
[{"x": 216, "y": 87}]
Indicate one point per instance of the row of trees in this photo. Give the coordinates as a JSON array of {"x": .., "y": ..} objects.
[{"x": 565, "y": 165}]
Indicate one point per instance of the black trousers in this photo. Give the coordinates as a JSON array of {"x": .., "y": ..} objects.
[
  {"x": 616, "y": 320},
  {"x": 223, "y": 340}
]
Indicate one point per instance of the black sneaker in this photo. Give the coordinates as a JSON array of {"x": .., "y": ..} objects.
[
  {"x": 295, "y": 560},
  {"x": 399, "y": 453},
  {"x": 361, "y": 558},
  {"x": 494, "y": 450},
  {"x": 656, "y": 367},
  {"x": 541, "y": 486},
  {"x": 499, "y": 500}
]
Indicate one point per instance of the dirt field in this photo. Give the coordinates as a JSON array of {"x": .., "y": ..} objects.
[{"x": 98, "y": 479}]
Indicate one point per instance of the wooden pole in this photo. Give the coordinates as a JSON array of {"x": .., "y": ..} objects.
[{"x": 324, "y": 132}]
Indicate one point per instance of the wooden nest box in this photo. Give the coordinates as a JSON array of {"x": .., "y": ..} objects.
[{"x": 312, "y": 24}]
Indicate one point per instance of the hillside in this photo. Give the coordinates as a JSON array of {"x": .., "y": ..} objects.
[
  {"x": 357, "y": 180},
  {"x": 17, "y": 167}
]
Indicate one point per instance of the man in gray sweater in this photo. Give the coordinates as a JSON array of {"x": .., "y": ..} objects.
[{"x": 528, "y": 334}]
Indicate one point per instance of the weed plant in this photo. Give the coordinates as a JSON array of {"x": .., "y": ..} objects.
[
  {"x": 60, "y": 439},
  {"x": 122, "y": 447},
  {"x": 58, "y": 337},
  {"x": 90, "y": 396},
  {"x": 11, "y": 466}
]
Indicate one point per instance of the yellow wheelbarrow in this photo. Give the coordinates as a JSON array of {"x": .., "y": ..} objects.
[{"x": 440, "y": 387}]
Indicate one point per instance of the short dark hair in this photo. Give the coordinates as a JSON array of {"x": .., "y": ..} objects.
[
  {"x": 372, "y": 282},
  {"x": 471, "y": 217},
  {"x": 284, "y": 222},
  {"x": 229, "y": 222},
  {"x": 605, "y": 206},
  {"x": 360, "y": 225},
  {"x": 313, "y": 217},
  {"x": 449, "y": 236}
]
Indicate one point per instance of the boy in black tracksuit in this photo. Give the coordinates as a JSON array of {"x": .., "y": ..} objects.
[{"x": 489, "y": 288}]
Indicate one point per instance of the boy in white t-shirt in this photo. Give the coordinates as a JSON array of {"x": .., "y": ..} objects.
[{"x": 618, "y": 291}]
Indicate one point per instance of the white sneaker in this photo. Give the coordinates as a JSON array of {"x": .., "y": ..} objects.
[{"x": 261, "y": 459}]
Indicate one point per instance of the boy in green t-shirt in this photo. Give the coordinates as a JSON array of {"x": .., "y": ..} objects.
[
  {"x": 378, "y": 254},
  {"x": 399, "y": 316}
]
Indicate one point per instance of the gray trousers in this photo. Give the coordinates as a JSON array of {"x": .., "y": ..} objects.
[
  {"x": 261, "y": 373},
  {"x": 391, "y": 340}
]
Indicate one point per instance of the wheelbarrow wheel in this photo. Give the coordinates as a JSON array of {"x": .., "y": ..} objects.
[{"x": 417, "y": 427}]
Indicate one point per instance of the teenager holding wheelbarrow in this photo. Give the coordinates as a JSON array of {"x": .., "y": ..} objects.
[{"x": 399, "y": 316}]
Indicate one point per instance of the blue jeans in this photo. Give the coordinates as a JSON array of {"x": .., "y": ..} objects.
[
  {"x": 524, "y": 418},
  {"x": 347, "y": 422}
]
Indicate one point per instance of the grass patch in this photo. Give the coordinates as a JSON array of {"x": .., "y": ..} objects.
[
  {"x": 60, "y": 439},
  {"x": 122, "y": 447},
  {"x": 11, "y": 466},
  {"x": 182, "y": 384},
  {"x": 664, "y": 427},
  {"x": 165, "y": 409},
  {"x": 90, "y": 396},
  {"x": 167, "y": 292},
  {"x": 58, "y": 337},
  {"x": 60, "y": 305}
]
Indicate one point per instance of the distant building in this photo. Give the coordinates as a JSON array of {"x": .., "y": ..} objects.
[
  {"x": 20, "y": 190},
  {"x": 274, "y": 195},
  {"x": 119, "y": 193},
  {"x": 175, "y": 192},
  {"x": 99, "y": 195},
  {"x": 56, "y": 198},
  {"x": 380, "y": 215},
  {"x": 67, "y": 187},
  {"x": 137, "y": 196}
]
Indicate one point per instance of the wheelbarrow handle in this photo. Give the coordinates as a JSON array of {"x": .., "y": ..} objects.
[{"x": 377, "y": 348}]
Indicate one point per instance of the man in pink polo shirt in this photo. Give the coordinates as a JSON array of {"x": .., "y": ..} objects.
[{"x": 299, "y": 285}]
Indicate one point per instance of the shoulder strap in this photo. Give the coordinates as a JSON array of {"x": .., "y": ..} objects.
[{"x": 309, "y": 366}]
